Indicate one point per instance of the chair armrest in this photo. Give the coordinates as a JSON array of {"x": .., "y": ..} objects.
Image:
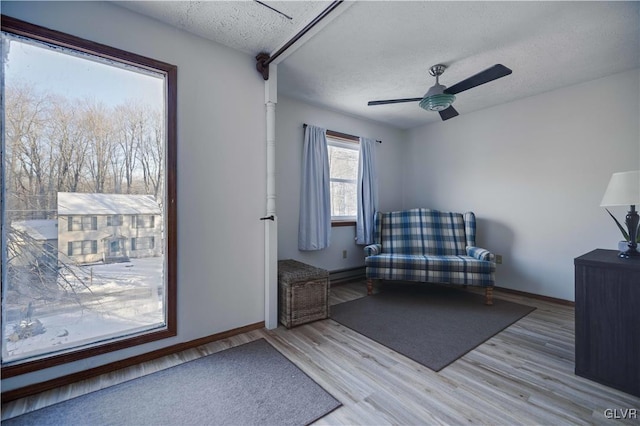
[
  {"x": 372, "y": 249},
  {"x": 480, "y": 253}
]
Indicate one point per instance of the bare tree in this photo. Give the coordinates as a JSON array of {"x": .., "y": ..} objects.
[
  {"x": 70, "y": 146},
  {"x": 132, "y": 125},
  {"x": 27, "y": 113},
  {"x": 99, "y": 139},
  {"x": 152, "y": 155},
  {"x": 57, "y": 144}
]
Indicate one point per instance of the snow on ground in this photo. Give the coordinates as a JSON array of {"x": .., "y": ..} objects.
[{"x": 122, "y": 298}]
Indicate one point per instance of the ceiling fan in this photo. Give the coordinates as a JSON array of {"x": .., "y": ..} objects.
[{"x": 439, "y": 98}]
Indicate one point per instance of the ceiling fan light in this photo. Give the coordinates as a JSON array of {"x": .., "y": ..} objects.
[{"x": 437, "y": 102}]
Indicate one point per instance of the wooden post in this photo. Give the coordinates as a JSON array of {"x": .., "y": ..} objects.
[{"x": 488, "y": 296}]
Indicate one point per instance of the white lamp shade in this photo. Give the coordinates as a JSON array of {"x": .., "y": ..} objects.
[{"x": 623, "y": 190}]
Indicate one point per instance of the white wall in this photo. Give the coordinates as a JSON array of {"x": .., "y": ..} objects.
[
  {"x": 534, "y": 171},
  {"x": 221, "y": 169},
  {"x": 290, "y": 117}
]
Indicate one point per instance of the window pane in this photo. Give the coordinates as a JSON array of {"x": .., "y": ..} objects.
[
  {"x": 143, "y": 243},
  {"x": 114, "y": 220},
  {"x": 343, "y": 199},
  {"x": 343, "y": 163},
  {"x": 343, "y": 168},
  {"x": 84, "y": 148},
  {"x": 143, "y": 221}
]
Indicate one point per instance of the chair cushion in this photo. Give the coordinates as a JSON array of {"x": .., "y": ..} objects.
[{"x": 429, "y": 268}]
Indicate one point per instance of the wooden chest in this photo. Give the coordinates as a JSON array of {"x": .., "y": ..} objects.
[{"x": 303, "y": 293}]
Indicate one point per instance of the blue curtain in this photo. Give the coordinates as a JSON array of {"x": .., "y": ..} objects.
[
  {"x": 314, "y": 226},
  {"x": 367, "y": 191}
]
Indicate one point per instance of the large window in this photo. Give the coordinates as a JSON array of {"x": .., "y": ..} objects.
[
  {"x": 343, "y": 171},
  {"x": 88, "y": 139}
]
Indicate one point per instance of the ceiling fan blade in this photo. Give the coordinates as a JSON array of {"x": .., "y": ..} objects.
[
  {"x": 495, "y": 72},
  {"x": 393, "y": 101},
  {"x": 448, "y": 113}
]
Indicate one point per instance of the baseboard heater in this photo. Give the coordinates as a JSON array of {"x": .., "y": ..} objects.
[{"x": 344, "y": 275}]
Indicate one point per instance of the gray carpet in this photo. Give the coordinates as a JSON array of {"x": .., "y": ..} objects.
[
  {"x": 431, "y": 324},
  {"x": 251, "y": 384}
]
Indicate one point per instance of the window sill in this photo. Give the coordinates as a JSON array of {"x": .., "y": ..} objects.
[{"x": 336, "y": 223}]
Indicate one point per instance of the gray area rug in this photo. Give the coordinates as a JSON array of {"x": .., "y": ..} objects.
[
  {"x": 431, "y": 324},
  {"x": 251, "y": 384}
]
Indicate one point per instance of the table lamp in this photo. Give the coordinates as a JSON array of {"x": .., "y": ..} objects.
[{"x": 624, "y": 190}]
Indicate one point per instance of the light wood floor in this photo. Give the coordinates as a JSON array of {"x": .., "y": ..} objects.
[{"x": 523, "y": 375}]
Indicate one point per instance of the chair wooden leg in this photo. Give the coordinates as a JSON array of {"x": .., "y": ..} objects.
[
  {"x": 369, "y": 286},
  {"x": 488, "y": 296}
]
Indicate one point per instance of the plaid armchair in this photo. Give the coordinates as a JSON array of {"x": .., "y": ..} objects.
[{"x": 429, "y": 246}]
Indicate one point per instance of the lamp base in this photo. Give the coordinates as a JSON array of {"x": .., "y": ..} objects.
[
  {"x": 632, "y": 221},
  {"x": 628, "y": 250}
]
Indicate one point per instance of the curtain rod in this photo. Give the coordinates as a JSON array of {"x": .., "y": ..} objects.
[{"x": 340, "y": 134}]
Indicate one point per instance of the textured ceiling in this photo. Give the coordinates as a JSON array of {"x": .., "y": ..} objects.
[
  {"x": 243, "y": 25},
  {"x": 383, "y": 50}
]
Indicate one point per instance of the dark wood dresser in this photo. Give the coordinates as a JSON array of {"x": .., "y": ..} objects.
[{"x": 608, "y": 319}]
